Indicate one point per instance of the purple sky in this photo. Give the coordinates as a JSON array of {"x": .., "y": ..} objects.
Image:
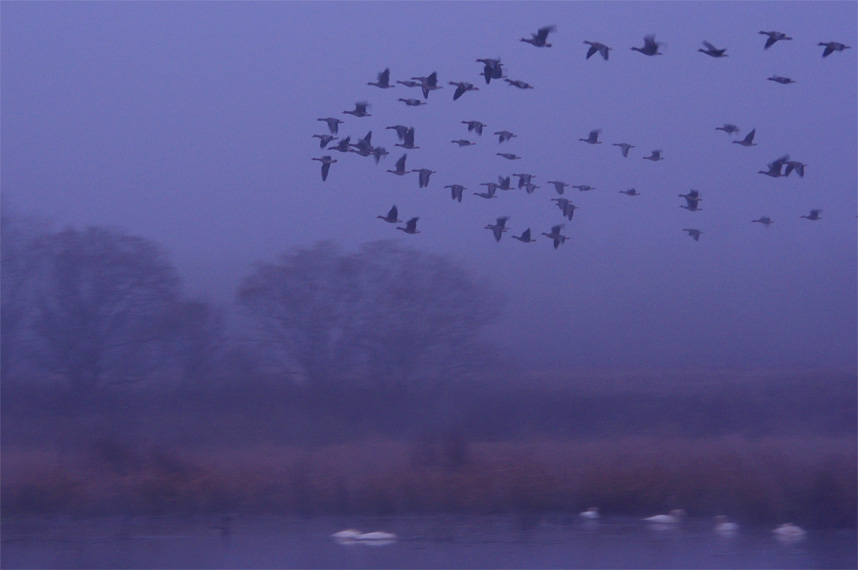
[{"x": 191, "y": 124}]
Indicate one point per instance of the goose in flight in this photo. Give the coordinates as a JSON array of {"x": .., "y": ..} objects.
[
  {"x": 831, "y": 47},
  {"x": 795, "y": 165},
  {"x": 324, "y": 140},
  {"x": 692, "y": 198},
  {"x": 583, "y": 187},
  {"x": 333, "y": 124},
  {"x": 650, "y": 46},
  {"x": 400, "y": 131},
  {"x": 326, "y": 165},
  {"x": 378, "y": 152},
  {"x": 456, "y": 191},
  {"x": 423, "y": 173},
  {"x": 748, "y": 140},
  {"x": 490, "y": 192},
  {"x": 359, "y": 110},
  {"x": 630, "y": 192},
  {"x": 781, "y": 80},
  {"x": 593, "y": 138},
  {"x": 504, "y": 183},
  {"x": 428, "y": 84},
  {"x": 655, "y": 156},
  {"x": 695, "y": 234},
  {"x": 400, "y": 166},
  {"x": 539, "y": 38},
  {"x": 410, "y": 226},
  {"x": 491, "y": 69},
  {"x": 524, "y": 179},
  {"x": 559, "y": 185},
  {"x": 595, "y": 47},
  {"x": 518, "y": 83},
  {"x": 712, "y": 50},
  {"x": 556, "y": 236},
  {"x": 412, "y": 102},
  {"x": 765, "y": 220},
  {"x": 504, "y": 136},
  {"x": 498, "y": 228},
  {"x": 624, "y": 148},
  {"x": 463, "y": 142},
  {"x": 508, "y": 155},
  {"x": 408, "y": 140},
  {"x": 462, "y": 87},
  {"x": 525, "y": 237},
  {"x": 475, "y": 126},
  {"x": 530, "y": 187},
  {"x": 383, "y": 80},
  {"x": 392, "y": 216},
  {"x": 774, "y": 167},
  {"x": 364, "y": 145},
  {"x": 409, "y": 83},
  {"x": 774, "y": 37},
  {"x": 343, "y": 146},
  {"x": 814, "y": 215},
  {"x": 728, "y": 128},
  {"x": 569, "y": 210}
]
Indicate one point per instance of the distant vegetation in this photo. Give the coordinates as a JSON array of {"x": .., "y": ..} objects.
[{"x": 357, "y": 382}]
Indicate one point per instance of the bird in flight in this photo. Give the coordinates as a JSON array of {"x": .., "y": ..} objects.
[
  {"x": 650, "y": 46},
  {"x": 539, "y": 38}
]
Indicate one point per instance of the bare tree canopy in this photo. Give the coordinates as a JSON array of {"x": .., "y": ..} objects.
[
  {"x": 104, "y": 298},
  {"x": 385, "y": 315}
]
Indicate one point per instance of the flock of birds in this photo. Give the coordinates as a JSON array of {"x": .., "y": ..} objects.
[
  {"x": 493, "y": 69},
  {"x": 787, "y": 532}
]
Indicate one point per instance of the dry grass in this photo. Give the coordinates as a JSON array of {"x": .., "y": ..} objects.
[{"x": 810, "y": 480}]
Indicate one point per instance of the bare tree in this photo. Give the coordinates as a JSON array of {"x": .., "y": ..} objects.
[
  {"x": 381, "y": 315},
  {"x": 102, "y": 313}
]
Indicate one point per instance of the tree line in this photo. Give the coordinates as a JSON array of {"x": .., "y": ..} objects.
[{"x": 97, "y": 307}]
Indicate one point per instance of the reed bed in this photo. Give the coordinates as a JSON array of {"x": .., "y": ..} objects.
[{"x": 809, "y": 480}]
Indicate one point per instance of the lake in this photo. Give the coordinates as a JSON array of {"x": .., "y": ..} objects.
[{"x": 424, "y": 542}]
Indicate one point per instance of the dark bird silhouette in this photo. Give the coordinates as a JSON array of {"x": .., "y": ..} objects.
[
  {"x": 429, "y": 83},
  {"x": 559, "y": 185},
  {"x": 694, "y": 233},
  {"x": 556, "y": 236},
  {"x": 630, "y": 192},
  {"x": 655, "y": 156},
  {"x": 795, "y": 165},
  {"x": 408, "y": 140},
  {"x": 518, "y": 83},
  {"x": 624, "y": 148},
  {"x": 814, "y": 215},
  {"x": 456, "y": 191},
  {"x": 392, "y": 216},
  {"x": 490, "y": 192},
  {"x": 781, "y": 80},
  {"x": 583, "y": 187},
  {"x": 333, "y": 124},
  {"x": 326, "y": 165},
  {"x": 728, "y": 128},
  {"x": 508, "y": 155},
  {"x": 650, "y": 46},
  {"x": 765, "y": 220},
  {"x": 463, "y": 142},
  {"x": 412, "y": 102},
  {"x": 462, "y": 87},
  {"x": 475, "y": 126},
  {"x": 400, "y": 131},
  {"x": 504, "y": 136},
  {"x": 774, "y": 167},
  {"x": 524, "y": 179},
  {"x": 831, "y": 47},
  {"x": 525, "y": 237},
  {"x": 595, "y": 47},
  {"x": 410, "y": 226},
  {"x": 691, "y": 199},
  {"x": 400, "y": 166},
  {"x": 423, "y": 173},
  {"x": 712, "y": 50},
  {"x": 324, "y": 140},
  {"x": 748, "y": 140},
  {"x": 359, "y": 110},
  {"x": 774, "y": 37},
  {"x": 343, "y": 146},
  {"x": 539, "y": 38},
  {"x": 491, "y": 69},
  {"x": 504, "y": 183},
  {"x": 498, "y": 228},
  {"x": 593, "y": 138},
  {"x": 383, "y": 80}
]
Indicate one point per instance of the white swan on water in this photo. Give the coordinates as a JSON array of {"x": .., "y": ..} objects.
[{"x": 674, "y": 517}]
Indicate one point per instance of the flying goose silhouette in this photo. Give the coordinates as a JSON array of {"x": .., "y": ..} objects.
[
  {"x": 831, "y": 47},
  {"x": 655, "y": 156},
  {"x": 400, "y": 131},
  {"x": 508, "y": 155},
  {"x": 765, "y": 220},
  {"x": 504, "y": 136},
  {"x": 695, "y": 234},
  {"x": 333, "y": 124},
  {"x": 748, "y": 140},
  {"x": 326, "y": 165},
  {"x": 630, "y": 192},
  {"x": 774, "y": 167},
  {"x": 491, "y": 69},
  {"x": 344, "y": 145},
  {"x": 463, "y": 142},
  {"x": 408, "y": 139},
  {"x": 456, "y": 191},
  {"x": 424, "y": 173},
  {"x": 324, "y": 139},
  {"x": 412, "y": 102},
  {"x": 392, "y": 216},
  {"x": 428, "y": 84},
  {"x": 795, "y": 165},
  {"x": 400, "y": 166},
  {"x": 781, "y": 80},
  {"x": 462, "y": 87},
  {"x": 556, "y": 236},
  {"x": 525, "y": 237},
  {"x": 359, "y": 110},
  {"x": 475, "y": 126},
  {"x": 814, "y": 215},
  {"x": 728, "y": 128},
  {"x": 559, "y": 185},
  {"x": 601, "y": 48},
  {"x": 712, "y": 50},
  {"x": 410, "y": 226},
  {"x": 593, "y": 138},
  {"x": 518, "y": 83},
  {"x": 383, "y": 80},
  {"x": 650, "y": 46},
  {"x": 524, "y": 179},
  {"x": 624, "y": 148},
  {"x": 498, "y": 228},
  {"x": 539, "y": 38},
  {"x": 774, "y": 37}
]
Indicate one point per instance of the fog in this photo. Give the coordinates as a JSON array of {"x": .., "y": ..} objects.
[{"x": 191, "y": 125}]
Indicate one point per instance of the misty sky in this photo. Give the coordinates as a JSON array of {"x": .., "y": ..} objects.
[{"x": 191, "y": 124}]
